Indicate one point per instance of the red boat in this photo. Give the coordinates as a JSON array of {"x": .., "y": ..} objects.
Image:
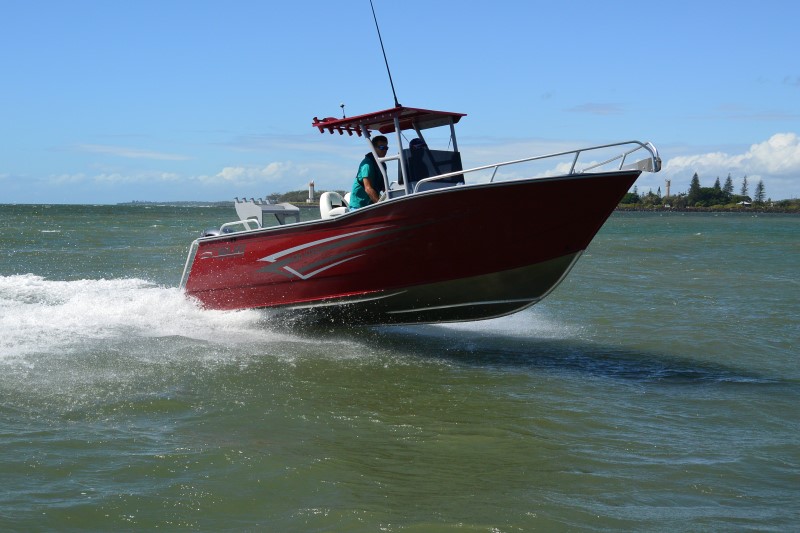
[{"x": 445, "y": 243}]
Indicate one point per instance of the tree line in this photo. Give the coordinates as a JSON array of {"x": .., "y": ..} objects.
[
  {"x": 295, "y": 197},
  {"x": 719, "y": 195}
]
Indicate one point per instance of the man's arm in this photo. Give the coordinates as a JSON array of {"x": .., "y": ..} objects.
[{"x": 370, "y": 190}]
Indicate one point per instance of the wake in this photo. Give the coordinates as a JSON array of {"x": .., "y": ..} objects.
[{"x": 42, "y": 316}]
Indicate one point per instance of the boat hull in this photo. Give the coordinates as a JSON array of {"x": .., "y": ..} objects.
[{"x": 462, "y": 253}]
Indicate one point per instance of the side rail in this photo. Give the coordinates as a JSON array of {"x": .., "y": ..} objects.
[
  {"x": 249, "y": 224},
  {"x": 616, "y": 156}
]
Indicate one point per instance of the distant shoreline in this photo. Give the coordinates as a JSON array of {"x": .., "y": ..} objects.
[
  {"x": 189, "y": 203},
  {"x": 745, "y": 210}
]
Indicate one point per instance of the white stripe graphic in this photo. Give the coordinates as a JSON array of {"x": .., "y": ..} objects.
[{"x": 274, "y": 257}]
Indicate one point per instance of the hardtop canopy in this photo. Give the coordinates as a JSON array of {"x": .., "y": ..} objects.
[{"x": 384, "y": 121}]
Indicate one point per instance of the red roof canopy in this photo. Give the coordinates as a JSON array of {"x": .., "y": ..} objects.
[{"x": 383, "y": 121}]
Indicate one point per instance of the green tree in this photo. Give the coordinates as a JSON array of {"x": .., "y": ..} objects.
[
  {"x": 678, "y": 201},
  {"x": 650, "y": 199},
  {"x": 709, "y": 196},
  {"x": 631, "y": 197},
  {"x": 728, "y": 187},
  {"x": 694, "y": 190},
  {"x": 296, "y": 197},
  {"x": 759, "y": 194},
  {"x": 717, "y": 186},
  {"x": 744, "y": 187}
]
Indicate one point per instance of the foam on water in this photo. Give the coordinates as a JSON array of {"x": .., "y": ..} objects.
[{"x": 46, "y": 316}]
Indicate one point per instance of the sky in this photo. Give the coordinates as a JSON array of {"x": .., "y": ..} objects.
[{"x": 104, "y": 102}]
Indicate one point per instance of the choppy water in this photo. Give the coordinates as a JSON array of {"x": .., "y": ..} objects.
[{"x": 655, "y": 390}]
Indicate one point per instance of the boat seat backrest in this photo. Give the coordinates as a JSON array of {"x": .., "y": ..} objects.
[
  {"x": 331, "y": 204},
  {"x": 424, "y": 163}
]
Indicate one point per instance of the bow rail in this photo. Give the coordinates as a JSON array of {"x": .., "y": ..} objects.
[{"x": 651, "y": 163}]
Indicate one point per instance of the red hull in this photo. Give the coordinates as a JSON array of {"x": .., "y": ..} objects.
[{"x": 461, "y": 253}]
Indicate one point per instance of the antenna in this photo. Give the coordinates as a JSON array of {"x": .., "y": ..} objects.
[{"x": 396, "y": 103}]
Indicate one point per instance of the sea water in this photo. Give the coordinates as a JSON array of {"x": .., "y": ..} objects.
[{"x": 656, "y": 389}]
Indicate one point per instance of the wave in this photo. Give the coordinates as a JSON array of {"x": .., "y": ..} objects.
[{"x": 38, "y": 315}]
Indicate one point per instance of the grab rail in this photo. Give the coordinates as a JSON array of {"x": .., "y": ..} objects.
[
  {"x": 649, "y": 164},
  {"x": 245, "y": 223}
]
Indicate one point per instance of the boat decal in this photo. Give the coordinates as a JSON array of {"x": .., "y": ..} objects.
[
  {"x": 224, "y": 251},
  {"x": 307, "y": 260},
  {"x": 272, "y": 258},
  {"x": 314, "y": 273}
]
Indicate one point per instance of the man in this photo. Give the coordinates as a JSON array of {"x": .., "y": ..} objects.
[{"x": 368, "y": 185}]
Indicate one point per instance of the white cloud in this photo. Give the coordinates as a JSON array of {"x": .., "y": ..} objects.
[
  {"x": 130, "y": 153},
  {"x": 249, "y": 175},
  {"x": 66, "y": 179},
  {"x": 143, "y": 177},
  {"x": 779, "y": 156},
  {"x": 112, "y": 178},
  {"x": 776, "y": 161}
]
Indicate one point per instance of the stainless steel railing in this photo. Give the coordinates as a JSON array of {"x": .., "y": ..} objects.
[{"x": 652, "y": 163}]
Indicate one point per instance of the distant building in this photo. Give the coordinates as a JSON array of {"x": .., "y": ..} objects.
[{"x": 311, "y": 198}]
